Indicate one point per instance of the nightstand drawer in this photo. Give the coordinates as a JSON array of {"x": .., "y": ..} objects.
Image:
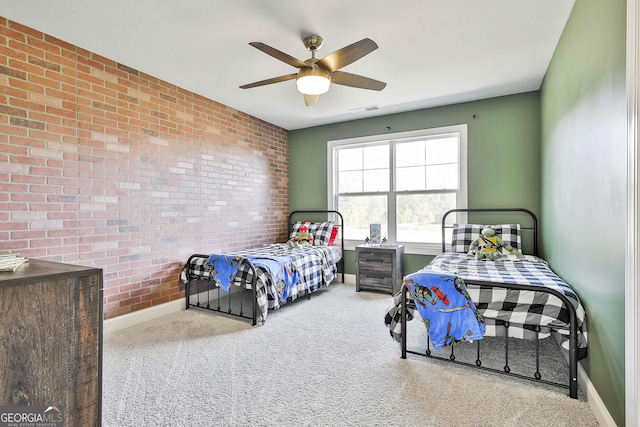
[
  {"x": 377, "y": 257},
  {"x": 375, "y": 266},
  {"x": 376, "y": 283}
]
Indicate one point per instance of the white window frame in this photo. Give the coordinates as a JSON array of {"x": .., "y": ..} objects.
[{"x": 461, "y": 199}]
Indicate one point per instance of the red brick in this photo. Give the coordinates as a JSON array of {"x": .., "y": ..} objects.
[
  {"x": 58, "y": 61},
  {"x": 26, "y": 86},
  {"x": 28, "y": 104},
  {"x": 10, "y": 33},
  {"x": 38, "y": 43},
  {"x": 51, "y": 85},
  {"x": 116, "y": 312},
  {"x": 9, "y": 52},
  {"x": 11, "y": 91},
  {"x": 60, "y": 43}
]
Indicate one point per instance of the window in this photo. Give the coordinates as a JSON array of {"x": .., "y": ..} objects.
[{"x": 404, "y": 181}]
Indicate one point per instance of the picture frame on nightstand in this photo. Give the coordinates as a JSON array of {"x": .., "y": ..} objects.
[{"x": 375, "y": 234}]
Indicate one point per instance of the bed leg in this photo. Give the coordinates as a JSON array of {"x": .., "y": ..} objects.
[
  {"x": 403, "y": 323},
  {"x": 573, "y": 358},
  {"x": 507, "y": 369},
  {"x": 537, "y": 374},
  {"x": 255, "y": 303},
  {"x": 187, "y": 289}
]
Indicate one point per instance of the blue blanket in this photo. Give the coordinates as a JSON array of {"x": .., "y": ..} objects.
[
  {"x": 282, "y": 274},
  {"x": 223, "y": 268},
  {"x": 445, "y": 307}
]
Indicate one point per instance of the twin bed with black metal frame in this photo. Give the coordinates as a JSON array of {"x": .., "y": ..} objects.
[
  {"x": 247, "y": 283},
  {"x": 516, "y": 296}
]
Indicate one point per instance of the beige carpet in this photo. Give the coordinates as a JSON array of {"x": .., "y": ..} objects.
[{"x": 327, "y": 361}]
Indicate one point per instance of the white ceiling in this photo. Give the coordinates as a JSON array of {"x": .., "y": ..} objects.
[{"x": 431, "y": 52}]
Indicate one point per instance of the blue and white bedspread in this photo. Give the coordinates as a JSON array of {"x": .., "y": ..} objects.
[
  {"x": 524, "y": 310},
  {"x": 283, "y": 274}
]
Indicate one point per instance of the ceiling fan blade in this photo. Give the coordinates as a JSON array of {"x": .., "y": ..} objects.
[
  {"x": 355, "y": 80},
  {"x": 345, "y": 56},
  {"x": 270, "y": 81},
  {"x": 310, "y": 100},
  {"x": 279, "y": 55}
]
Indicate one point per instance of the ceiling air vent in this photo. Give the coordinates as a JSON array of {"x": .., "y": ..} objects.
[{"x": 368, "y": 108}]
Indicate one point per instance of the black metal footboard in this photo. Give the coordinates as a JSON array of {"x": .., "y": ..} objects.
[
  {"x": 573, "y": 339},
  {"x": 203, "y": 292}
]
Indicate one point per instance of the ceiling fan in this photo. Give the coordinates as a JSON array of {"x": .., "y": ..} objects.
[{"x": 314, "y": 75}]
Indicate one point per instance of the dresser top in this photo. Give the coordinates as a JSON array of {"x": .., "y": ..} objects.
[
  {"x": 42, "y": 270},
  {"x": 390, "y": 247}
]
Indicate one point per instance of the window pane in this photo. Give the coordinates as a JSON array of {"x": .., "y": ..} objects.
[
  {"x": 376, "y": 180},
  {"x": 359, "y": 212},
  {"x": 350, "y": 159},
  {"x": 430, "y": 164},
  {"x": 376, "y": 157},
  {"x": 350, "y": 182},
  {"x": 444, "y": 150},
  {"x": 410, "y": 153},
  {"x": 419, "y": 216},
  {"x": 410, "y": 178},
  {"x": 442, "y": 177}
]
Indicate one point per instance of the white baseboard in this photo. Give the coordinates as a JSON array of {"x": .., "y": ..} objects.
[
  {"x": 130, "y": 319},
  {"x": 593, "y": 398},
  {"x": 349, "y": 279}
]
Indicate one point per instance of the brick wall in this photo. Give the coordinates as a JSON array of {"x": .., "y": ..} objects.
[{"x": 102, "y": 165}]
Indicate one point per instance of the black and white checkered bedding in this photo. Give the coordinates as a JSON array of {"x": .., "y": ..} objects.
[
  {"x": 317, "y": 266},
  {"x": 524, "y": 310}
]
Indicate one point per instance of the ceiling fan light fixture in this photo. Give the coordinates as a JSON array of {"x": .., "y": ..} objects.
[
  {"x": 313, "y": 81},
  {"x": 314, "y": 76}
]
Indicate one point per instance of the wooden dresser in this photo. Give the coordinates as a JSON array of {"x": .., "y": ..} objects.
[
  {"x": 51, "y": 339},
  {"x": 379, "y": 268}
]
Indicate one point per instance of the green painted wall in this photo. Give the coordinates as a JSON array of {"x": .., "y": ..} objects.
[
  {"x": 503, "y": 154},
  {"x": 583, "y": 131}
]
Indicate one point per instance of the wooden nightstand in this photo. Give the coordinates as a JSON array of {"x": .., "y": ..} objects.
[{"x": 379, "y": 268}]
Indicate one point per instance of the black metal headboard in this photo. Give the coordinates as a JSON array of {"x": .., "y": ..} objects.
[
  {"x": 530, "y": 224},
  {"x": 322, "y": 215}
]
